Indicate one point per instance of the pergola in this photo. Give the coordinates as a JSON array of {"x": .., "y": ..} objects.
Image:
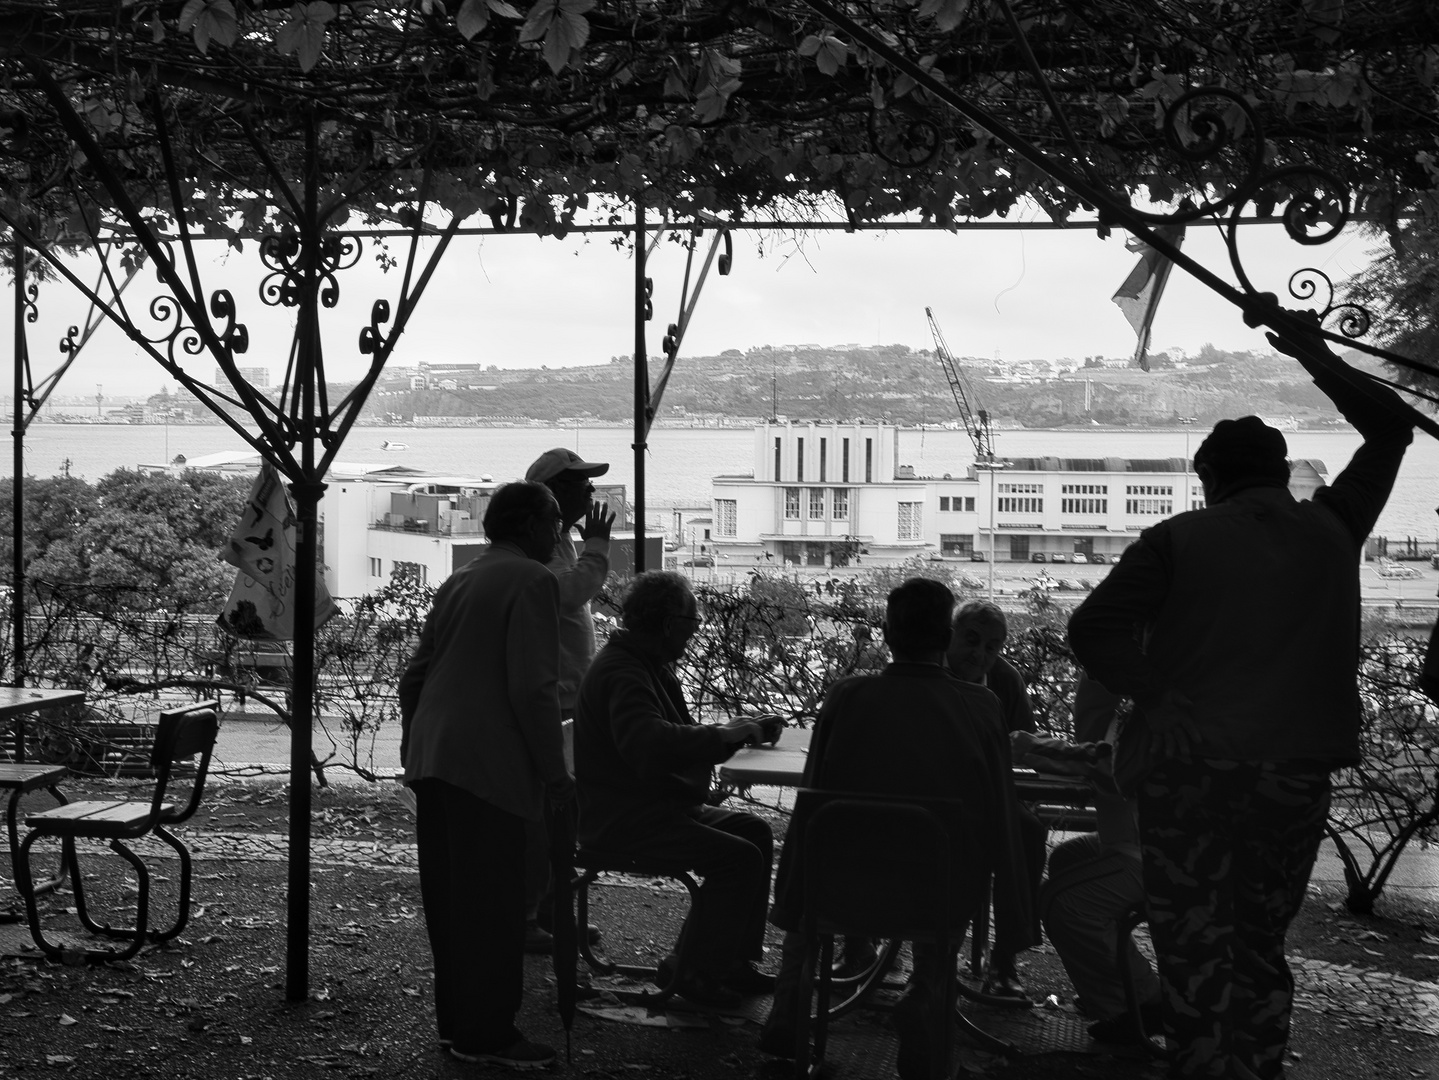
[{"x": 136, "y": 129}]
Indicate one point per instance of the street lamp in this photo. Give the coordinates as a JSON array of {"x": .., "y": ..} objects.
[
  {"x": 991, "y": 467},
  {"x": 1188, "y": 422}
]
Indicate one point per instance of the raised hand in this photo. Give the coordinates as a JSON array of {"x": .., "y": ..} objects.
[{"x": 598, "y": 520}]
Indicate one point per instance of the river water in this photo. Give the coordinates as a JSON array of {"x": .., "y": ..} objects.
[{"x": 681, "y": 461}]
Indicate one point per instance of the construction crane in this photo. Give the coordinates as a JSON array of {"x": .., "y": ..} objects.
[{"x": 976, "y": 421}]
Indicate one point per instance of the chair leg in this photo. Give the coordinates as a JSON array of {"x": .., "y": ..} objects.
[
  {"x": 822, "y": 996},
  {"x": 183, "y": 915},
  {"x": 802, "y": 1013},
  {"x": 581, "y": 886},
  {"x": 26, "y": 887},
  {"x": 77, "y": 886}
]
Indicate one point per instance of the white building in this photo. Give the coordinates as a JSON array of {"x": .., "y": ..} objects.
[
  {"x": 825, "y": 495},
  {"x": 377, "y": 518}
]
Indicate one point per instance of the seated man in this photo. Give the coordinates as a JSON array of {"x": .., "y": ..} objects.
[
  {"x": 910, "y": 730},
  {"x": 980, "y": 631},
  {"x": 1095, "y": 878},
  {"x": 642, "y": 770}
]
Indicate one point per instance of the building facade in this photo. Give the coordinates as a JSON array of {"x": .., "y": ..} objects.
[{"x": 833, "y": 495}]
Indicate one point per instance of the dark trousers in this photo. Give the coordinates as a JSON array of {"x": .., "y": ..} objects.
[
  {"x": 1008, "y": 929},
  {"x": 1228, "y": 847},
  {"x": 472, "y": 875},
  {"x": 732, "y": 852}
]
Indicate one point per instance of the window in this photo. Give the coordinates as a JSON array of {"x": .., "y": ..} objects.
[
  {"x": 839, "y": 505},
  {"x": 869, "y": 461},
  {"x": 968, "y": 504},
  {"x": 1014, "y": 499},
  {"x": 420, "y": 571},
  {"x": 954, "y": 544},
  {"x": 816, "y": 504},
  {"x": 726, "y": 516},
  {"x": 1019, "y": 548},
  {"x": 823, "y": 446},
  {"x": 799, "y": 459},
  {"x": 844, "y": 462},
  {"x": 1155, "y": 499},
  {"x": 1081, "y": 499},
  {"x": 791, "y": 503},
  {"x": 375, "y": 570},
  {"x": 778, "y": 446},
  {"x": 910, "y": 520},
  {"x": 944, "y": 503}
]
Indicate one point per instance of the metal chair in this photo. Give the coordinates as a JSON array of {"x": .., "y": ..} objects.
[
  {"x": 589, "y": 865},
  {"x": 180, "y": 735},
  {"x": 883, "y": 866}
]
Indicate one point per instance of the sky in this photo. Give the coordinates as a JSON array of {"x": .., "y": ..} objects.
[{"x": 522, "y": 302}]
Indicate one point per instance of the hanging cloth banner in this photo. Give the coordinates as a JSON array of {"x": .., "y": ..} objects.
[
  {"x": 1139, "y": 296},
  {"x": 262, "y": 548}
]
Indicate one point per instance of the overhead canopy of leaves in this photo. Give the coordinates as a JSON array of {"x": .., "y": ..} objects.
[{"x": 526, "y": 111}]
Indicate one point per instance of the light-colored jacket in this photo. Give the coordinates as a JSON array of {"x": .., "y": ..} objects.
[
  {"x": 581, "y": 576},
  {"x": 481, "y": 692}
]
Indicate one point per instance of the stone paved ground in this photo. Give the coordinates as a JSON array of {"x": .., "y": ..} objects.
[{"x": 1343, "y": 993}]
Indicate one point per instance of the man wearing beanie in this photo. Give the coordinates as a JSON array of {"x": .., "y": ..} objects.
[{"x": 1235, "y": 629}]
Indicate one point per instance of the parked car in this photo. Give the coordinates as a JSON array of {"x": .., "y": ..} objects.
[
  {"x": 1037, "y": 556},
  {"x": 1057, "y": 556},
  {"x": 1079, "y": 557},
  {"x": 700, "y": 560},
  {"x": 977, "y": 556},
  {"x": 1115, "y": 558}
]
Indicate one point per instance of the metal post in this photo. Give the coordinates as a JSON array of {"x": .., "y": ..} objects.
[
  {"x": 17, "y": 492},
  {"x": 991, "y": 533},
  {"x": 642, "y": 382},
  {"x": 307, "y": 496}
]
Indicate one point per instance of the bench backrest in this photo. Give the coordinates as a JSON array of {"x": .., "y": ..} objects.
[{"x": 181, "y": 734}]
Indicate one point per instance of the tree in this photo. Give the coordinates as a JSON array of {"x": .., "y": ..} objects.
[{"x": 1401, "y": 286}]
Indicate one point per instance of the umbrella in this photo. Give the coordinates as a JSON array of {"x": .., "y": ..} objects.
[{"x": 560, "y": 822}]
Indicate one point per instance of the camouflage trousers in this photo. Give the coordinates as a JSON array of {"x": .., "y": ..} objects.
[{"x": 1228, "y": 848}]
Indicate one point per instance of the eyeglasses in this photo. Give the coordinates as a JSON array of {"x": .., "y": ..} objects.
[
  {"x": 572, "y": 481},
  {"x": 696, "y": 619}
]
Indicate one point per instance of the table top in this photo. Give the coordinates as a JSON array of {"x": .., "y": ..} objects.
[
  {"x": 782, "y": 765},
  {"x": 17, "y": 700},
  {"x": 28, "y": 777}
]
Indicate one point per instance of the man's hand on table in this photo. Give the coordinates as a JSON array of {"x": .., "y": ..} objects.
[
  {"x": 1056, "y": 757},
  {"x": 752, "y": 731}
]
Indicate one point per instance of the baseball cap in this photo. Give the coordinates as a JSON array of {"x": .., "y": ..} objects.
[{"x": 553, "y": 462}]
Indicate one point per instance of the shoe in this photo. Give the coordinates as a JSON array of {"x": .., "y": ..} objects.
[
  {"x": 777, "y": 1040},
  {"x": 521, "y": 1054},
  {"x": 1119, "y": 1030},
  {"x": 1007, "y": 990},
  {"x": 665, "y": 970},
  {"x": 538, "y": 939},
  {"x": 707, "y": 992},
  {"x": 749, "y": 980},
  {"x": 544, "y": 922}
]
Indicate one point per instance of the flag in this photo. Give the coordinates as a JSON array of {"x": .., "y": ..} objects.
[
  {"x": 1139, "y": 296},
  {"x": 262, "y": 548}
]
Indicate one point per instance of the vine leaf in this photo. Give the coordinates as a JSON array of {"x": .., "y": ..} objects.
[
  {"x": 828, "y": 51},
  {"x": 210, "y": 20},
  {"x": 562, "y": 26},
  {"x": 304, "y": 34},
  {"x": 948, "y": 14},
  {"x": 474, "y": 16},
  {"x": 716, "y": 80}
]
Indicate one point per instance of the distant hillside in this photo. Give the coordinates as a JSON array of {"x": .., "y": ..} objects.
[{"x": 890, "y": 382}]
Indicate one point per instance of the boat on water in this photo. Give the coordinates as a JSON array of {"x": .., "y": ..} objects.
[
  {"x": 389, "y": 445},
  {"x": 1282, "y": 423}
]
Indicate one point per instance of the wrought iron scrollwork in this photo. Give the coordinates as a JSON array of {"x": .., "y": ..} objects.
[
  {"x": 903, "y": 140},
  {"x": 180, "y": 337},
  {"x": 30, "y": 302},
  {"x": 283, "y": 254},
  {"x": 70, "y": 343},
  {"x": 1350, "y": 319},
  {"x": 371, "y": 337}
]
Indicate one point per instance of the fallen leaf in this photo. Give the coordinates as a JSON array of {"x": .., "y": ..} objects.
[
  {"x": 66, "y": 1020},
  {"x": 59, "y": 1059}
]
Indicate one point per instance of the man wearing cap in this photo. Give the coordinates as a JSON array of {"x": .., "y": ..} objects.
[
  {"x": 1243, "y": 674},
  {"x": 581, "y": 575}
]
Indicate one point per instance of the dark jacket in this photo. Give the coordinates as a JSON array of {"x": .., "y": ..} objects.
[
  {"x": 916, "y": 730},
  {"x": 1250, "y": 608},
  {"x": 638, "y": 752}
]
